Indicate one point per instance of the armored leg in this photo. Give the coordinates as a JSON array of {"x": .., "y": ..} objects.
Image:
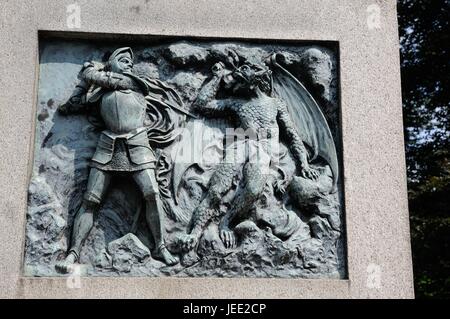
[
  {"x": 154, "y": 213},
  {"x": 82, "y": 225},
  {"x": 84, "y": 220}
]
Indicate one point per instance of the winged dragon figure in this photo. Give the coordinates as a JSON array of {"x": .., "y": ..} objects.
[{"x": 267, "y": 102}]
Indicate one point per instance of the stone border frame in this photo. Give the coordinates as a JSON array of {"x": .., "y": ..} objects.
[{"x": 376, "y": 212}]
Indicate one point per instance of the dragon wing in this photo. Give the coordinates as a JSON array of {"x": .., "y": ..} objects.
[{"x": 308, "y": 119}]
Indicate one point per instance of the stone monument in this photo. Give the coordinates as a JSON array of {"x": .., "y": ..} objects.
[{"x": 169, "y": 158}]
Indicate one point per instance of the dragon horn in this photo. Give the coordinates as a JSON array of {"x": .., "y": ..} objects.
[{"x": 233, "y": 58}]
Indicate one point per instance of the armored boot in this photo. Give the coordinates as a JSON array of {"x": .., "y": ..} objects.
[{"x": 154, "y": 215}]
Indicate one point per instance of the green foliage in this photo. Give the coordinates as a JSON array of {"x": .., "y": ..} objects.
[{"x": 425, "y": 53}]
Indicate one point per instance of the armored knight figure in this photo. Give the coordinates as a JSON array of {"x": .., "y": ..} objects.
[
  {"x": 251, "y": 100},
  {"x": 130, "y": 108}
]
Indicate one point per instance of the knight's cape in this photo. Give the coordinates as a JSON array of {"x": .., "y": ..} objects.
[{"x": 165, "y": 109}]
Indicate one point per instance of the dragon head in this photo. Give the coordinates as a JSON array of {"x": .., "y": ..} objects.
[{"x": 245, "y": 78}]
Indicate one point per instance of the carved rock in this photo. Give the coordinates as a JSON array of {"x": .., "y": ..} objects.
[
  {"x": 183, "y": 54},
  {"x": 126, "y": 251},
  {"x": 318, "y": 66},
  {"x": 45, "y": 217}
]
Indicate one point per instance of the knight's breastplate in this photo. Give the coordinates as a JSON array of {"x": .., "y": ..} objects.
[{"x": 123, "y": 111}]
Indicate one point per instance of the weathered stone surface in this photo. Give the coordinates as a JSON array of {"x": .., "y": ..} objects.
[
  {"x": 126, "y": 251},
  {"x": 45, "y": 217},
  {"x": 188, "y": 84},
  {"x": 318, "y": 65},
  {"x": 183, "y": 54}
]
